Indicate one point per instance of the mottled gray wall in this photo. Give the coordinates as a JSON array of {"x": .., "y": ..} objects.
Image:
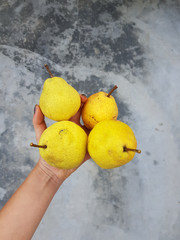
[{"x": 95, "y": 44}]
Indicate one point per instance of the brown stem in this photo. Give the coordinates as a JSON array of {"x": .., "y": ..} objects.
[
  {"x": 112, "y": 90},
  {"x": 50, "y": 73},
  {"x": 131, "y": 149},
  {"x": 38, "y": 146}
]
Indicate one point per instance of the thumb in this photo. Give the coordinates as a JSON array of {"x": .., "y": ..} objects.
[{"x": 38, "y": 122}]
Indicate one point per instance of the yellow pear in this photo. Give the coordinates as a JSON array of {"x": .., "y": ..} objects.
[
  {"x": 63, "y": 145},
  {"x": 98, "y": 107},
  {"x": 111, "y": 144},
  {"x": 59, "y": 100}
]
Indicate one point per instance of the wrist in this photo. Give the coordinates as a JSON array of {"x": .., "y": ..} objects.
[{"x": 49, "y": 172}]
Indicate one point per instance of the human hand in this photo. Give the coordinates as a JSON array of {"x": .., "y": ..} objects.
[{"x": 39, "y": 127}]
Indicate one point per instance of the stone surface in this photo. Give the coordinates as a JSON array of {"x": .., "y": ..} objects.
[{"x": 95, "y": 45}]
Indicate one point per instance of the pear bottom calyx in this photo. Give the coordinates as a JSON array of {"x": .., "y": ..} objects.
[{"x": 38, "y": 146}]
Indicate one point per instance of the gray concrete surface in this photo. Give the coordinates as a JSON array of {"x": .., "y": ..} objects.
[{"x": 94, "y": 45}]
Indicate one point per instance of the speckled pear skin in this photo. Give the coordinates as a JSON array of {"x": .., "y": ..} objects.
[
  {"x": 106, "y": 144},
  {"x": 66, "y": 145},
  {"x": 59, "y": 100},
  {"x": 99, "y": 107}
]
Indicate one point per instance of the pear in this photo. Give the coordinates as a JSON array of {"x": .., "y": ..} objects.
[
  {"x": 111, "y": 144},
  {"x": 59, "y": 100},
  {"x": 63, "y": 145},
  {"x": 98, "y": 107}
]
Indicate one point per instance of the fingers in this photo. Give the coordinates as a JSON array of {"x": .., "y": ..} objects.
[
  {"x": 76, "y": 117},
  {"x": 83, "y": 98},
  {"x": 38, "y": 122}
]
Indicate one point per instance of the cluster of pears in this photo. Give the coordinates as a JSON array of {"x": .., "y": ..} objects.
[{"x": 111, "y": 143}]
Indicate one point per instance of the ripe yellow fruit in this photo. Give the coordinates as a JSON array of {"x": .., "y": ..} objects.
[
  {"x": 108, "y": 142},
  {"x": 66, "y": 145},
  {"x": 99, "y": 107},
  {"x": 59, "y": 100}
]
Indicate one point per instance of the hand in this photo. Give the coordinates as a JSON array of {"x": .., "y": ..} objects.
[{"x": 40, "y": 126}]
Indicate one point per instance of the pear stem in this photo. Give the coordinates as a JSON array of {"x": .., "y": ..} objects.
[
  {"x": 38, "y": 146},
  {"x": 131, "y": 149},
  {"x": 50, "y": 73},
  {"x": 112, "y": 90}
]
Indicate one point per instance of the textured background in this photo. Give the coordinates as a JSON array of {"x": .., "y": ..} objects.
[{"x": 95, "y": 44}]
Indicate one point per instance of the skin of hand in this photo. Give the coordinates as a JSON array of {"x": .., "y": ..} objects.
[{"x": 40, "y": 126}]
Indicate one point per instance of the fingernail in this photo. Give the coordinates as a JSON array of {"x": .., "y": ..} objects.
[{"x": 35, "y": 108}]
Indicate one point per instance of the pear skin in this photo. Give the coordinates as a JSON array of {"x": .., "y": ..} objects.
[
  {"x": 59, "y": 100},
  {"x": 65, "y": 145},
  {"x": 111, "y": 144},
  {"x": 99, "y": 107}
]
